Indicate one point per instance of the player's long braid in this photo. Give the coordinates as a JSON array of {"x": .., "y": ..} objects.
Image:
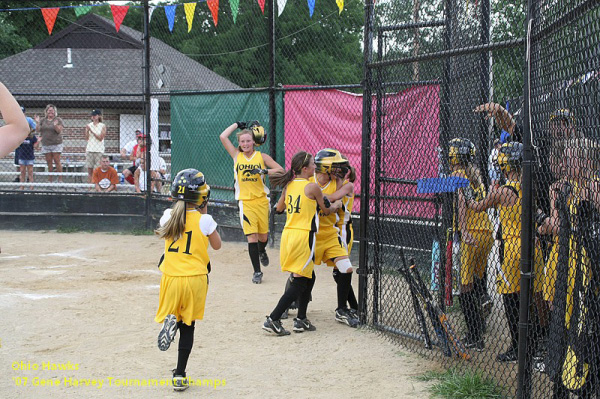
[
  {"x": 299, "y": 161},
  {"x": 174, "y": 227}
]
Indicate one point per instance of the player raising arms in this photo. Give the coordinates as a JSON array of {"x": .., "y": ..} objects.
[
  {"x": 251, "y": 192},
  {"x": 188, "y": 230},
  {"x": 508, "y": 200},
  {"x": 330, "y": 247},
  {"x": 301, "y": 200},
  {"x": 476, "y": 238}
]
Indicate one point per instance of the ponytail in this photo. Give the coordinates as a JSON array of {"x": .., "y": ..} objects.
[{"x": 175, "y": 226}]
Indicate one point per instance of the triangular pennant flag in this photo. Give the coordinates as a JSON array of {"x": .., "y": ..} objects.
[
  {"x": 150, "y": 11},
  {"x": 189, "y": 14},
  {"x": 280, "y": 6},
  {"x": 261, "y": 3},
  {"x": 311, "y": 7},
  {"x": 213, "y": 6},
  {"x": 170, "y": 13},
  {"x": 82, "y": 10},
  {"x": 49, "y": 15},
  {"x": 118, "y": 13},
  {"x": 340, "y": 4},
  {"x": 234, "y": 4}
]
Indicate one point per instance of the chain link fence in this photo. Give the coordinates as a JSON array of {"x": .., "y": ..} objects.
[{"x": 482, "y": 242}]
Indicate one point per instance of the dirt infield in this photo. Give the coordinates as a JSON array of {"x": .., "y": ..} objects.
[{"x": 78, "y": 309}]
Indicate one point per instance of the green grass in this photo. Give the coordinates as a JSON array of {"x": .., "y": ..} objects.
[
  {"x": 459, "y": 384},
  {"x": 68, "y": 229},
  {"x": 140, "y": 232}
]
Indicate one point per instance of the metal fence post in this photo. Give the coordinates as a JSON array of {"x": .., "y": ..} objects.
[{"x": 147, "y": 112}]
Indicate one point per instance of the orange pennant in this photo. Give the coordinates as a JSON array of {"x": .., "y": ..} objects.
[
  {"x": 213, "y": 6},
  {"x": 118, "y": 13},
  {"x": 49, "y": 15},
  {"x": 261, "y": 3}
]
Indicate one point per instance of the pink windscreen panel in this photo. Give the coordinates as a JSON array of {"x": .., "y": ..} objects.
[{"x": 409, "y": 139}]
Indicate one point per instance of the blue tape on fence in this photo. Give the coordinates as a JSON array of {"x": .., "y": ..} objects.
[{"x": 441, "y": 184}]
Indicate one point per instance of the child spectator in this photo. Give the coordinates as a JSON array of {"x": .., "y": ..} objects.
[{"x": 105, "y": 177}]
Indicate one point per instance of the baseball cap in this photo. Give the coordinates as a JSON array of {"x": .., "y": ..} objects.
[
  {"x": 139, "y": 133},
  {"x": 96, "y": 112},
  {"x": 22, "y": 108}
]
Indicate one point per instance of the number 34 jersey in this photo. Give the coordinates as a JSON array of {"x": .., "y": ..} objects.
[
  {"x": 301, "y": 210},
  {"x": 188, "y": 255}
]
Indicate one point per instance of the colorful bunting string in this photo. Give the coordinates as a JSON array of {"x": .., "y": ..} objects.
[
  {"x": 118, "y": 13},
  {"x": 49, "y": 15},
  {"x": 189, "y": 14},
  {"x": 170, "y": 13},
  {"x": 79, "y": 11},
  {"x": 150, "y": 12},
  {"x": 280, "y": 6},
  {"x": 311, "y": 7},
  {"x": 213, "y": 6},
  {"x": 234, "y": 4},
  {"x": 261, "y": 3},
  {"x": 340, "y": 4}
]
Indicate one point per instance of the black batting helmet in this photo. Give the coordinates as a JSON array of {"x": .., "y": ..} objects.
[{"x": 190, "y": 186}]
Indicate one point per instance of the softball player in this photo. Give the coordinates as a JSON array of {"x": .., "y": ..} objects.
[
  {"x": 507, "y": 199},
  {"x": 251, "y": 192},
  {"x": 330, "y": 246},
  {"x": 476, "y": 238},
  {"x": 302, "y": 201},
  {"x": 187, "y": 229}
]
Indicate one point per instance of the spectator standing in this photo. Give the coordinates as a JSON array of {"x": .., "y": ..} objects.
[
  {"x": 26, "y": 158},
  {"x": 32, "y": 125},
  {"x": 50, "y": 128},
  {"x": 105, "y": 177},
  {"x": 95, "y": 132}
]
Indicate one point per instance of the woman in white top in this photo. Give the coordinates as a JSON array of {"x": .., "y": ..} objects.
[{"x": 95, "y": 131}]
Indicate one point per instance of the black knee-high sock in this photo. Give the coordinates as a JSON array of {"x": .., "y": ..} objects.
[
  {"x": 344, "y": 281},
  {"x": 305, "y": 297},
  {"x": 352, "y": 302},
  {"x": 253, "y": 251},
  {"x": 473, "y": 317},
  {"x": 297, "y": 287},
  {"x": 511, "y": 310},
  {"x": 186, "y": 341},
  {"x": 262, "y": 246}
]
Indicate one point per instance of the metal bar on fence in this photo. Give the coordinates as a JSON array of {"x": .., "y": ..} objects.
[
  {"x": 524, "y": 364},
  {"x": 402, "y": 333},
  {"x": 365, "y": 162},
  {"x": 506, "y": 44},
  {"x": 411, "y": 25},
  {"x": 272, "y": 107},
  {"x": 147, "y": 113}
]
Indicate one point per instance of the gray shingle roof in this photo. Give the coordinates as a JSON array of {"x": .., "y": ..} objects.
[{"x": 112, "y": 66}]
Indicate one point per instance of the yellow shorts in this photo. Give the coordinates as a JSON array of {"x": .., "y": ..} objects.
[
  {"x": 184, "y": 297},
  {"x": 347, "y": 236},
  {"x": 550, "y": 272},
  {"x": 254, "y": 215},
  {"x": 473, "y": 258},
  {"x": 297, "y": 252},
  {"x": 329, "y": 245}
]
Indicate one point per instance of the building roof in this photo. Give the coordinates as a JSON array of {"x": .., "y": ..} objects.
[{"x": 106, "y": 67}]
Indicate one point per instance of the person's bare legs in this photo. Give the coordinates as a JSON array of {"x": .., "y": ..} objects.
[
  {"x": 30, "y": 173},
  {"x": 48, "y": 157},
  {"x": 22, "y": 177},
  {"x": 59, "y": 169}
]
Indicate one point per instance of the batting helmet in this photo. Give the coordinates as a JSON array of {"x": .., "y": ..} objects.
[
  {"x": 190, "y": 186},
  {"x": 510, "y": 156},
  {"x": 461, "y": 151},
  {"x": 563, "y": 114},
  {"x": 258, "y": 133},
  {"x": 329, "y": 160}
]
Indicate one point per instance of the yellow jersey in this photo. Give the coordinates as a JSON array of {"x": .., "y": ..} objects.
[
  {"x": 248, "y": 186},
  {"x": 188, "y": 255},
  {"x": 510, "y": 216},
  {"x": 301, "y": 210},
  {"x": 476, "y": 221},
  {"x": 330, "y": 220},
  {"x": 345, "y": 212}
]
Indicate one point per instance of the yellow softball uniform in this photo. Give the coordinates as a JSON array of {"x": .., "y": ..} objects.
[
  {"x": 184, "y": 283},
  {"x": 298, "y": 238},
  {"x": 252, "y": 194},
  {"x": 329, "y": 242},
  {"x": 345, "y": 220},
  {"x": 473, "y": 258}
]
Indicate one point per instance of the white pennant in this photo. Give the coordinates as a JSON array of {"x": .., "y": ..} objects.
[
  {"x": 151, "y": 10},
  {"x": 280, "y": 6}
]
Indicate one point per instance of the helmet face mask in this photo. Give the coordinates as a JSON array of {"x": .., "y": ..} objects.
[
  {"x": 330, "y": 161},
  {"x": 461, "y": 151},
  {"x": 190, "y": 186},
  {"x": 510, "y": 156}
]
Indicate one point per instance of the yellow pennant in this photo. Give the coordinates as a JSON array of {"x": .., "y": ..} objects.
[
  {"x": 340, "y": 4},
  {"x": 189, "y": 14}
]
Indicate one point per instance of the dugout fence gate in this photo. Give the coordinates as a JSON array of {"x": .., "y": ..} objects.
[{"x": 516, "y": 283}]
